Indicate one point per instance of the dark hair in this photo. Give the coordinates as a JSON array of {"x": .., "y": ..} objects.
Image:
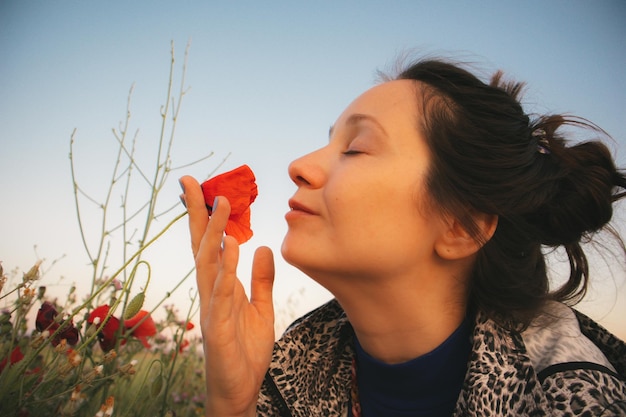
[{"x": 489, "y": 156}]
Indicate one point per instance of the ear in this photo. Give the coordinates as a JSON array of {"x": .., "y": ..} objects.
[{"x": 457, "y": 243}]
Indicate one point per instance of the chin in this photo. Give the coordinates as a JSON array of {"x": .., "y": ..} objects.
[
  {"x": 291, "y": 252},
  {"x": 301, "y": 257}
]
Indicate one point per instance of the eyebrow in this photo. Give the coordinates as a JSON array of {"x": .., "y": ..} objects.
[{"x": 355, "y": 118}]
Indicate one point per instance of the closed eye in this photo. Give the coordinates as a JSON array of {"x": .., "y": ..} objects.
[{"x": 351, "y": 152}]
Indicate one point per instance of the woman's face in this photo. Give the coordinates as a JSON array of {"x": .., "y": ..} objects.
[{"x": 361, "y": 207}]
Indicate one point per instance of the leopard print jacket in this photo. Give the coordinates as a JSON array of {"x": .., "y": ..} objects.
[{"x": 310, "y": 371}]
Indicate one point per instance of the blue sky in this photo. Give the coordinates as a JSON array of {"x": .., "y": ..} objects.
[{"x": 265, "y": 83}]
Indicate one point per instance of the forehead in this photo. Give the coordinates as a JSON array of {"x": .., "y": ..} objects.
[{"x": 389, "y": 102}]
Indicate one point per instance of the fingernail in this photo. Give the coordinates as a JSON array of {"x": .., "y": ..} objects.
[
  {"x": 182, "y": 200},
  {"x": 181, "y": 185},
  {"x": 214, "y": 204}
]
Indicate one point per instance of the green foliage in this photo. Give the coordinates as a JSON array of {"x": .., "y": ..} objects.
[{"x": 53, "y": 359}]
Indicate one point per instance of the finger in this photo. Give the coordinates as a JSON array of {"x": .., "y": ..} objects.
[
  {"x": 211, "y": 242},
  {"x": 222, "y": 298},
  {"x": 196, "y": 207},
  {"x": 263, "y": 282},
  {"x": 210, "y": 248}
]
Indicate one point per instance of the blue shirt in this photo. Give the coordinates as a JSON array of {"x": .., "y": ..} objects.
[{"x": 426, "y": 386}]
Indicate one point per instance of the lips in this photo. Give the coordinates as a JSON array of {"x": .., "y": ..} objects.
[{"x": 296, "y": 206}]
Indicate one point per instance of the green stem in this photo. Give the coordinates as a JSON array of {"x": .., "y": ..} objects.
[
  {"x": 176, "y": 351},
  {"x": 122, "y": 268}
]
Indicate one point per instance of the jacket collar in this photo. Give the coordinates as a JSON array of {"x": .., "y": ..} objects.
[
  {"x": 312, "y": 363},
  {"x": 499, "y": 364}
]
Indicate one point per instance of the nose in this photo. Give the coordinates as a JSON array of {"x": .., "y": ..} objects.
[{"x": 309, "y": 170}]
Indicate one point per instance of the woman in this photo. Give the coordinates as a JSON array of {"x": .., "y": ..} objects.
[{"x": 424, "y": 216}]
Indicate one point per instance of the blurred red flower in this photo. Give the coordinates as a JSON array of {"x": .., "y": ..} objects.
[
  {"x": 46, "y": 321},
  {"x": 239, "y": 187},
  {"x": 183, "y": 345},
  {"x": 15, "y": 357},
  {"x": 145, "y": 329},
  {"x": 107, "y": 335}
]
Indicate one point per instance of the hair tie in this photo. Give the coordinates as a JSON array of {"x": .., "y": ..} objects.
[{"x": 542, "y": 141}]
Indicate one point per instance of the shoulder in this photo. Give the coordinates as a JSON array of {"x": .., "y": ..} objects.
[
  {"x": 612, "y": 347},
  {"x": 310, "y": 364},
  {"x": 324, "y": 325},
  {"x": 326, "y": 316},
  {"x": 577, "y": 362},
  {"x": 500, "y": 378},
  {"x": 585, "y": 389},
  {"x": 557, "y": 366},
  {"x": 321, "y": 332},
  {"x": 555, "y": 337}
]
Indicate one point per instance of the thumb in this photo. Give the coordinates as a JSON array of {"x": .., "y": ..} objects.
[{"x": 263, "y": 282}]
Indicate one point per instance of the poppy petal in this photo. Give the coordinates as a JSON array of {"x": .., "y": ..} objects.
[
  {"x": 147, "y": 327},
  {"x": 45, "y": 317},
  {"x": 183, "y": 345},
  {"x": 239, "y": 228},
  {"x": 70, "y": 333},
  {"x": 15, "y": 357},
  {"x": 112, "y": 324},
  {"x": 106, "y": 343},
  {"x": 106, "y": 337},
  {"x": 144, "y": 342},
  {"x": 46, "y": 321},
  {"x": 99, "y": 312},
  {"x": 110, "y": 328},
  {"x": 240, "y": 188}
]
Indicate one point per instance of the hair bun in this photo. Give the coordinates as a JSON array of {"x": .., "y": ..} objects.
[{"x": 580, "y": 196}]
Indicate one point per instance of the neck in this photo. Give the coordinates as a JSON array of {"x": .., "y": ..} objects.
[{"x": 398, "y": 323}]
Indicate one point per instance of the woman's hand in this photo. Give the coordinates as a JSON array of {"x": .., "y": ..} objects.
[{"x": 238, "y": 333}]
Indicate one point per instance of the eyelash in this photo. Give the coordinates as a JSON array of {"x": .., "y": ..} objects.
[{"x": 351, "y": 152}]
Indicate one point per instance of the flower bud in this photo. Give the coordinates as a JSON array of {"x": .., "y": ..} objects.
[
  {"x": 134, "y": 306},
  {"x": 156, "y": 386}
]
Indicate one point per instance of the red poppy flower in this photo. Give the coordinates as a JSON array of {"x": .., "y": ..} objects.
[
  {"x": 106, "y": 337},
  {"x": 15, "y": 357},
  {"x": 183, "y": 345},
  {"x": 239, "y": 187},
  {"x": 189, "y": 325},
  {"x": 146, "y": 329},
  {"x": 46, "y": 321}
]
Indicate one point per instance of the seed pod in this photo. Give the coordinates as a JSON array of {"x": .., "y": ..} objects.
[
  {"x": 134, "y": 306},
  {"x": 156, "y": 386}
]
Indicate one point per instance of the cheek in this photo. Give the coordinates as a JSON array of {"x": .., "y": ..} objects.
[
  {"x": 351, "y": 206},
  {"x": 362, "y": 211},
  {"x": 379, "y": 213}
]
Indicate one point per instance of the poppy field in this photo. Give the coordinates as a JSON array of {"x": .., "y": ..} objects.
[
  {"x": 117, "y": 349},
  {"x": 76, "y": 362}
]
